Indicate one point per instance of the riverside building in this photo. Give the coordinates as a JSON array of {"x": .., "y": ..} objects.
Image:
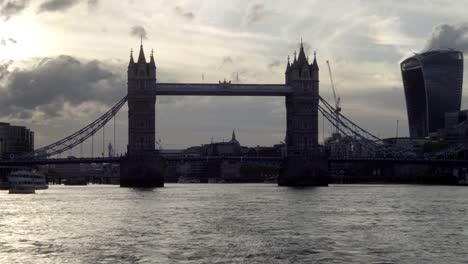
[
  {"x": 15, "y": 140},
  {"x": 433, "y": 86}
]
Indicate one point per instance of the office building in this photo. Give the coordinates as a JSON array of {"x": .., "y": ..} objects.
[{"x": 433, "y": 86}]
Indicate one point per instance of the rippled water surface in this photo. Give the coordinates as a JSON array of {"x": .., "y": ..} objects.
[{"x": 196, "y": 223}]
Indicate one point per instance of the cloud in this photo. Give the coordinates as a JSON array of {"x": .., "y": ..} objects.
[
  {"x": 274, "y": 64},
  {"x": 61, "y": 5},
  {"x": 449, "y": 36},
  {"x": 56, "y": 5},
  {"x": 4, "y": 69},
  {"x": 182, "y": 13},
  {"x": 51, "y": 84},
  {"x": 225, "y": 61},
  {"x": 255, "y": 13},
  {"x": 10, "y": 8},
  {"x": 93, "y": 3},
  {"x": 138, "y": 31},
  {"x": 6, "y": 41}
]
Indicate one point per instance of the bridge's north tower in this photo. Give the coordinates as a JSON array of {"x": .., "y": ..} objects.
[
  {"x": 303, "y": 165},
  {"x": 142, "y": 167}
]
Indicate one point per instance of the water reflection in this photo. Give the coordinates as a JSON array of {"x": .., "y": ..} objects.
[{"x": 243, "y": 223}]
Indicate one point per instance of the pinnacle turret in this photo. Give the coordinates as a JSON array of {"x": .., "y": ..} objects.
[
  {"x": 131, "y": 62},
  {"x": 152, "y": 63},
  {"x": 314, "y": 65},
  {"x": 302, "y": 57},
  {"x": 141, "y": 56}
]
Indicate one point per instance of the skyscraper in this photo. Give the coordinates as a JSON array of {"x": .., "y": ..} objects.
[{"x": 433, "y": 83}]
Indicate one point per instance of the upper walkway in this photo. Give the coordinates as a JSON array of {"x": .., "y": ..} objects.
[{"x": 222, "y": 89}]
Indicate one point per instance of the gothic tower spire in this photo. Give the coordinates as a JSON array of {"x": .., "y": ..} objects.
[
  {"x": 141, "y": 56},
  {"x": 314, "y": 65},
  {"x": 152, "y": 63},
  {"x": 302, "y": 57},
  {"x": 131, "y": 62}
]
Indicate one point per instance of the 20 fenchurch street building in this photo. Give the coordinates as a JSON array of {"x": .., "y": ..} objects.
[{"x": 433, "y": 86}]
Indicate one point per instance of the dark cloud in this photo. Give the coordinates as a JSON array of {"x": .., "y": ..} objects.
[
  {"x": 138, "y": 31},
  {"x": 4, "y": 69},
  {"x": 93, "y": 3},
  {"x": 255, "y": 13},
  {"x": 10, "y": 8},
  {"x": 274, "y": 64},
  {"x": 56, "y": 5},
  {"x": 449, "y": 36},
  {"x": 61, "y": 5},
  {"x": 182, "y": 13},
  {"x": 52, "y": 83},
  {"x": 225, "y": 61},
  {"x": 6, "y": 41}
]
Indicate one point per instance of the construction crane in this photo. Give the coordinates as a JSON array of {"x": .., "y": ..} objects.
[{"x": 336, "y": 98}]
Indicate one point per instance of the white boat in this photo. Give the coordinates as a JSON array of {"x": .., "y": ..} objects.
[{"x": 26, "y": 182}]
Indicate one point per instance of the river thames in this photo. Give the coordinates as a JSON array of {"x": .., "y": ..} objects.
[{"x": 237, "y": 223}]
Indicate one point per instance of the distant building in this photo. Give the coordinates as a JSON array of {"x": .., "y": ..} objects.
[
  {"x": 346, "y": 147},
  {"x": 456, "y": 126},
  {"x": 433, "y": 86},
  {"x": 15, "y": 140},
  {"x": 214, "y": 170},
  {"x": 230, "y": 148},
  {"x": 416, "y": 145}
]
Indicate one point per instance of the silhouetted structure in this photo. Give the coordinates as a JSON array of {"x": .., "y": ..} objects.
[
  {"x": 302, "y": 165},
  {"x": 142, "y": 167},
  {"x": 433, "y": 86},
  {"x": 15, "y": 140}
]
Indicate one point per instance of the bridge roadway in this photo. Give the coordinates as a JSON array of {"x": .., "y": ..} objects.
[
  {"x": 25, "y": 162},
  {"x": 400, "y": 161},
  {"x": 222, "y": 89},
  {"x": 233, "y": 158}
]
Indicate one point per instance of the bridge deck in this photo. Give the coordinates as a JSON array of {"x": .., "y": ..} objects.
[{"x": 222, "y": 89}]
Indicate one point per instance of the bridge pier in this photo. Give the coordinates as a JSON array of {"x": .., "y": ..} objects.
[
  {"x": 142, "y": 171},
  {"x": 300, "y": 171}
]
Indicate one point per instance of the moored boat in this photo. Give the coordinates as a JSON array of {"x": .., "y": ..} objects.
[{"x": 26, "y": 182}]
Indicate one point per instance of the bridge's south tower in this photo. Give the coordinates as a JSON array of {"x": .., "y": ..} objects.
[
  {"x": 142, "y": 167},
  {"x": 302, "y": 165}
]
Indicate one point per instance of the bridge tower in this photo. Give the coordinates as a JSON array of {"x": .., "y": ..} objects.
[
  {"x": 303, "y": 165},
  {"x": 142, "y": 166}
]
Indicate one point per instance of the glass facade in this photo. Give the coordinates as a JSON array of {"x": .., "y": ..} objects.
[{"x": 433, "y": 86}]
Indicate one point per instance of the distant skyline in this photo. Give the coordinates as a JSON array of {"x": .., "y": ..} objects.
[{"x": 63, "y": 63}]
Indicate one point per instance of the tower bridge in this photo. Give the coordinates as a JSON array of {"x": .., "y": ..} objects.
[{"x": 302, "y": 166}]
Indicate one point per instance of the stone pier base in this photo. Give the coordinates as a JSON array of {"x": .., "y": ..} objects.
[
  {"x": 299, "y": 171},
  {"x": 143, "y": 171}
]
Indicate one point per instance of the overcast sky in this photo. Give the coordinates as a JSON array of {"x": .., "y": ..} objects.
[{"x": 63, "y": 62}]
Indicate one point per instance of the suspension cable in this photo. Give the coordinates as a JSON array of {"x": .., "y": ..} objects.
[{"x": 77, "y": 137}]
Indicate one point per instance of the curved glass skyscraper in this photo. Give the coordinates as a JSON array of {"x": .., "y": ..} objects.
[{"x": 433, "y": 83}]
